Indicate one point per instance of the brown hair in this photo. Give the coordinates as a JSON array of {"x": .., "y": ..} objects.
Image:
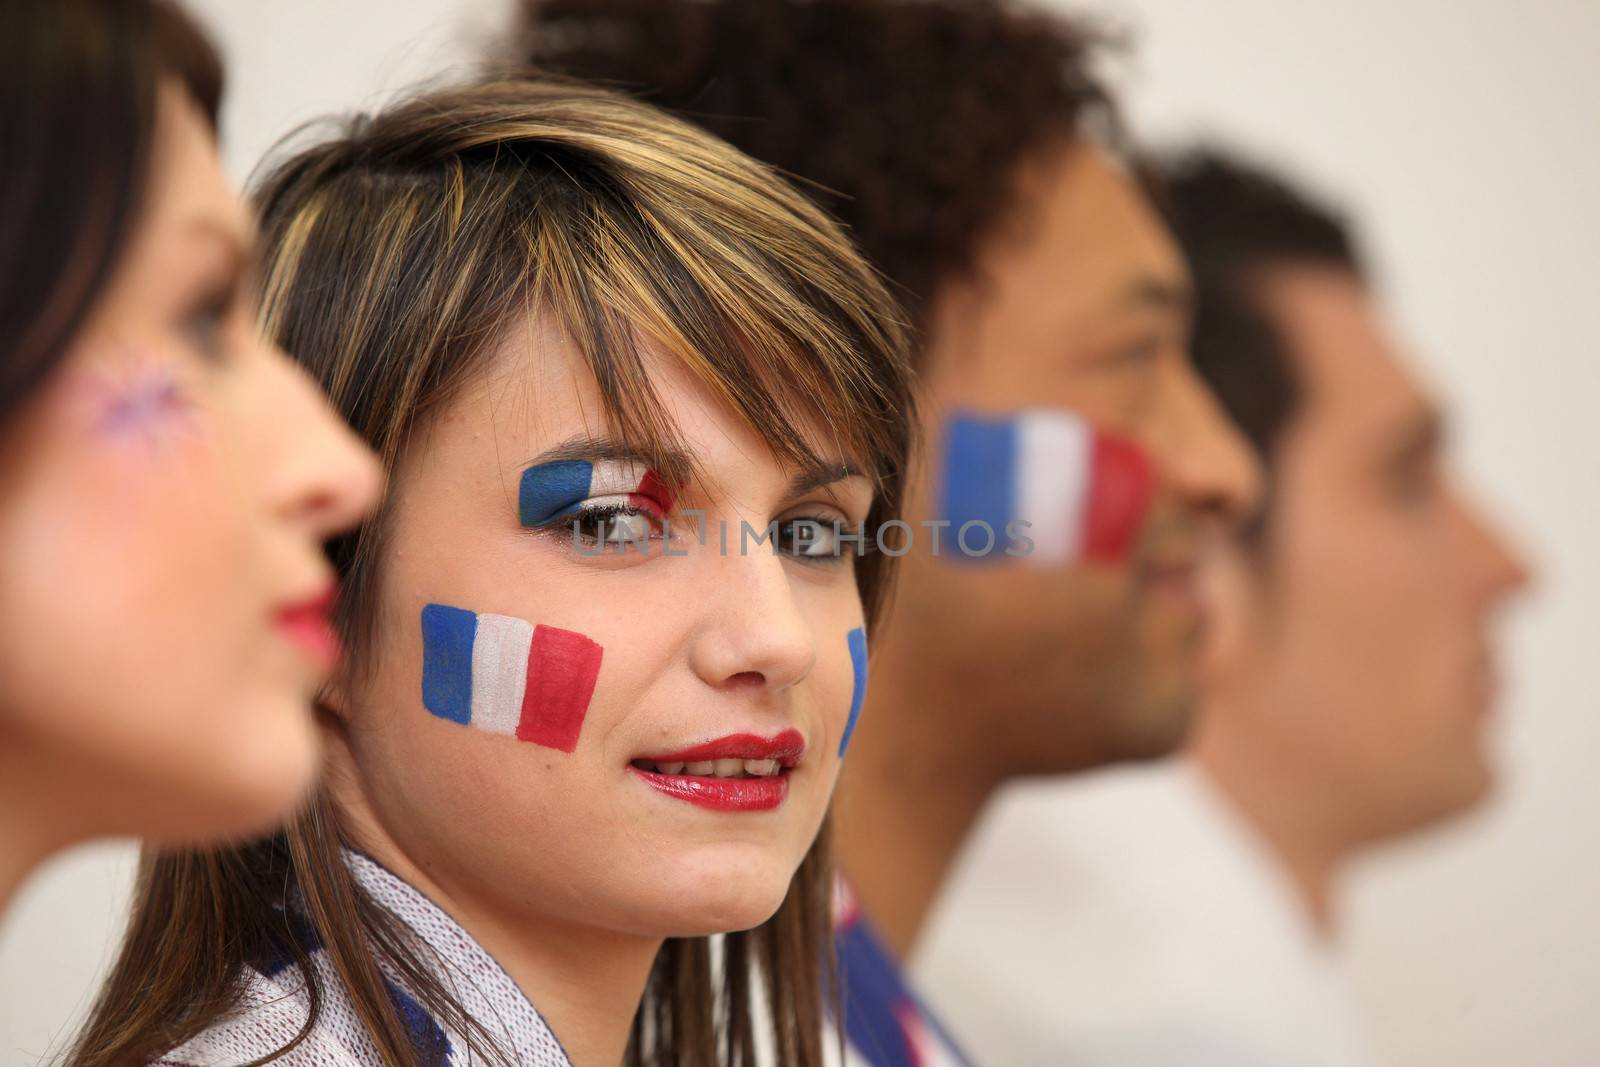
[
  {"x": 397, "y": 256},
  {"x": 78, "y": 85},
  {"x": 907, "y": 119},
  {"x": 1235, "y": 220}
]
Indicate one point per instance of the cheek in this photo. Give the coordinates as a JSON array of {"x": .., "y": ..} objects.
[
  {"x": 144, "y": 409},
  {"x": 507, "y": 676},
  {"x": 1040, "y": 488},
  {"x": 1357, "y": 626},
  {"x": 856, "y": 645},
  {"x": 135, "y": 571},
  {"x": 492, "y": 817},
  {"x": 142, "y": 480},
  {"x": 829, "y": 702},
  {"x": 1379, "y": 580},
  {"x": 478, "y": 718}
]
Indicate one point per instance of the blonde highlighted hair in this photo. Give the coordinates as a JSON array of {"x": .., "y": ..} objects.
[{"x": 397, "y": 256}]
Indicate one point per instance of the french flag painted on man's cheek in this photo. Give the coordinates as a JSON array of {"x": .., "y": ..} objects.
[
  {"x": 1085, "y": 494},
  {"x": 507, "y": 676},
  {"x": 551, "y": 490}
]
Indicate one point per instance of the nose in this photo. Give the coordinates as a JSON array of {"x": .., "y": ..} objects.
[
  {"x": 327, "y": 479},
  {"x": 1499, "y": 570},
  {"x": 754, "y": 633},
  {"x": 1205, "y": 460}
]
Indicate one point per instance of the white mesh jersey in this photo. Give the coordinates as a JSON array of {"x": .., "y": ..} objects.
[{"x": 275, "y": 1005}]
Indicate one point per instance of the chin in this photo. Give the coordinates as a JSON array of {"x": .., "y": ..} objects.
[
  {"x": 1475, "y": 779},
  {"x": 1469, "y": 786},
  {"x": 250, "y": 781},
  {"x": 1474, "y": 787},
  {"x": 228, "y": 770},
  {"x": 719, "y": 898},
  {"x": 1152, "y": 722}
]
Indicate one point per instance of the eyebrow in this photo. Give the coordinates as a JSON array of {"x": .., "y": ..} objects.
[
  {"x": 236, "y": 245},
  {"x": 823, "y": 475},
  {"x": 1161, "y": 294}
]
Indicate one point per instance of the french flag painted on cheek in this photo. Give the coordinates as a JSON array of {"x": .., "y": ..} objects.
[
  {"x": 507, "y": 676},
  {"x": 856, "y": 642},
  {"x": 552, "y": 490},
  {"x": 1085, "y": 494}
]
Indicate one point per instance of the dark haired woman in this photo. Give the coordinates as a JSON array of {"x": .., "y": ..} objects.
[{"x": 167, "y": 477}]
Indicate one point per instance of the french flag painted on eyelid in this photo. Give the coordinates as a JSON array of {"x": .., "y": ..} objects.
[
  {"x": 507, "y": 676},
  {"x": 551, "y": 489},
  {"x": 1085, "y": 493}
]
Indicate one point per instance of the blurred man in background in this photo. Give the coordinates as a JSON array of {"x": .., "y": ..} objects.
[
  {"x": 974, "y": 154},
  {"x": 1346, "y": 691}
]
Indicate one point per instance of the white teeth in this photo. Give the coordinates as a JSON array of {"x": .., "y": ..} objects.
[{"x": 721, "y": 768}]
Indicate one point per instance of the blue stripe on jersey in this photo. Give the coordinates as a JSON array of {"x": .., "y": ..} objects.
[
  {"x": 874, "y": 993},
  {"x": 277, "y": 956},
  {"x": 427, "y": 1036}
]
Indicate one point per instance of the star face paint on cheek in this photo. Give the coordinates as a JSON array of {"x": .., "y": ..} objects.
[
  {"x": 154, "y": 399},
  {"x": 508, "y": 676},
  {"x": 550, "y": 491},
  {"x": 133, "y": 397},
  {"x": 1085, "y": 494},
  {"x": 857, "y": 641}
]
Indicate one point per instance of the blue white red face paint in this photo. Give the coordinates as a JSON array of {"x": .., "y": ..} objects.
[
  {"x": 1084, "y": 494},
  {"x": 857, "y": 641},
  {"x": 507, "y": 676},
  {"x": 556, "y": 490},
  {"x": 136, "y": 397}
]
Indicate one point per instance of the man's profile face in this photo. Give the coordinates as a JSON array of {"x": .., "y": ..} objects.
[
  {"x": 1366, "y": 660},
  {"x": 1080, "y": 301}
]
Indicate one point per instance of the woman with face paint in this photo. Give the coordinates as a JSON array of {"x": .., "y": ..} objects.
[
  {"x": 606, "y": 644},
  {"x": 167, "y": 477}
]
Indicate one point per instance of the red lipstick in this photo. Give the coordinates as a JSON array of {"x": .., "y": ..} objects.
[
  {"x": 309, "y": 626},
  {"x": 702, "y": 775}
]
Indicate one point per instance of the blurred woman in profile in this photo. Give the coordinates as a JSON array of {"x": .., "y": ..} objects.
[{"x": 167, "y": 478}]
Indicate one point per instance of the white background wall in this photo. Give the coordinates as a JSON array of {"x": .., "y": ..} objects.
[{"x": 1467, "y": 135}]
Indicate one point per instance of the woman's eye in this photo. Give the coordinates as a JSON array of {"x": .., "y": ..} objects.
[
  {"x": 625, "y": 528},
  {"x": 206, "y": 324},
  {"x": 815, "y": 539},
  {"x": 614, "y": 527}
]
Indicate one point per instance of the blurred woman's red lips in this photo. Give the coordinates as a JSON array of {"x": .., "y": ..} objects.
[
  {"x": 309, "y": 626},
  {"x": 741, "y": 772}
]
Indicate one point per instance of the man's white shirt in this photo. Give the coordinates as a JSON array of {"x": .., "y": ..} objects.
[{"x": 1131, "y": 920}]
